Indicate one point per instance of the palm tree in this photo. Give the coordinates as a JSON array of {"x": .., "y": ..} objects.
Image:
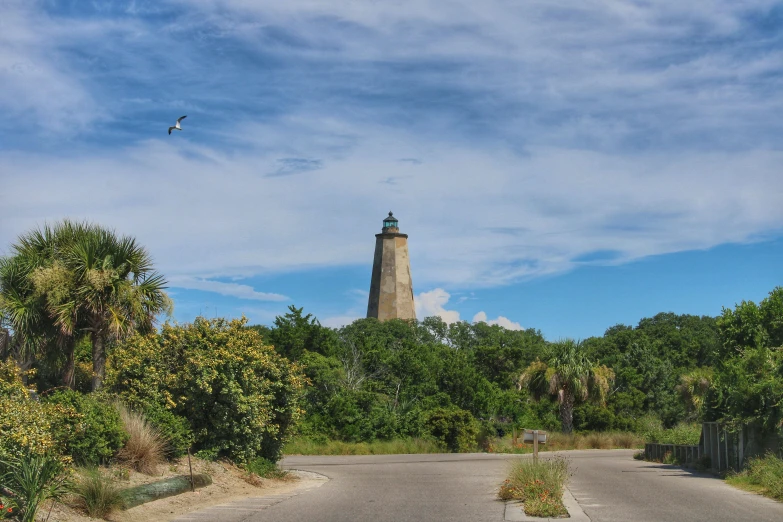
[
  {"x": 76, "y": 278},
  {"x": 48, "y": 286},
  {"x": 24, "y": 309},
  {"x": 570, "y": 376},
  {"x": 116, "y": 291},
  {"x": 693, "y": 389}
]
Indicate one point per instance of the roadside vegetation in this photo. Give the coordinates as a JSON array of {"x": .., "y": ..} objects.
[
  {"x": 539, "y": 484},
  {"x": 763, "y": 475}
]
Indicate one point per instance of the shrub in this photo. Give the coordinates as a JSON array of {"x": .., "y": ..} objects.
[
  {"x": 97, "y": 435},
  {"x": 454, "y": 428},
  {"x": 265, "y": 468},
  {"x": 174, "y": 429},
  {"x": 29, "y": 426},
  {"x": 767, "y": 472},
  {"x": 240, "y": 397},
  {"x": 145, "y": 446},
  {"x": 95, "y": 494},
  {"x": 30, "y": 480},
  {"x": 683, "y": 433}
]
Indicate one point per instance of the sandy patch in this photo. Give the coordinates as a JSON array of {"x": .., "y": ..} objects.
[{"x": 228, "y": 483}]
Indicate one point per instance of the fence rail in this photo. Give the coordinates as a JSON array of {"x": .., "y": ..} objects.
[
  {"x": 723, "y": 448},
  {"x": 681, "y": 452}
]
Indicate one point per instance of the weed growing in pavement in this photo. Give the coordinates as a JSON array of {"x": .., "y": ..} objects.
[{"x": 539, "y": 484}]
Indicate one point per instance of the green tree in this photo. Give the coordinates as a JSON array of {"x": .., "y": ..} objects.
[
  {"x": 75, "y": 278},
  {"x": 34, "y": 283},
  {"x": 570, "y": 376}
]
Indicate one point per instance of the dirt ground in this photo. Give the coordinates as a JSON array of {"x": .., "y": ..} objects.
[{"x": 228, "y": 483}]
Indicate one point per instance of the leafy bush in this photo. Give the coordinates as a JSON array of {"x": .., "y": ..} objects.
[
  {"x": 96, "y": 494},
  {"x": 98, "y": 433},
  {"x": 30, "y": 480},
  {"x": 29, "y": 426},
  {"x": 240, "y": 397},
  {"x": 174, "y": 429},
  {"x": 455, "y": 429},
  {"x": 355, "y": 415},
  {"x": 144, "y": 449},
  {"x": 683, "y": 433},
  {"x": 265, "y": 468},
  {"x": 765, "y": 473}
]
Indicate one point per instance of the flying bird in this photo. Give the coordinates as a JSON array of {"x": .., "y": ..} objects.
[{"x": 176, "y": 126}]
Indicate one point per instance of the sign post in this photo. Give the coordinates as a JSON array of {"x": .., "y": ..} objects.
[{"x": 536, "y": 437}]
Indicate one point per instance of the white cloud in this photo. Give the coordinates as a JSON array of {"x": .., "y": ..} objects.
[
  {"x": 505, "y": 322},
  {"x": 228, "y": 289},
  {"x": 429, "y": 304},
  {"x": 338, "y": 321}
]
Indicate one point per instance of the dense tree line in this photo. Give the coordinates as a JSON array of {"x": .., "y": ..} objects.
[{"x": 375, "y": 379}]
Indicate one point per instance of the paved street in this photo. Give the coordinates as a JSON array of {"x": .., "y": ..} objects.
[
  {"x": 612, "y": 487},
  {"x": 609, "y": 485}
]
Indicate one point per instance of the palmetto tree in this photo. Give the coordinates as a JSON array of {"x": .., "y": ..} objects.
[
  {"x": 694, "y": 387},
  {"x": 26, "y": 305},
  {"x": 74, "y": 279},
  {"x": 116, "y": 292},
  {"x": 568, "y": 375}
]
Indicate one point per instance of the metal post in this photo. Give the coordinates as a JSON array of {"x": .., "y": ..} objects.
[
  {"x": 192, "y": 485},
  {"x": 717, "y": 449},
  {"x": 726, "y": 447}
]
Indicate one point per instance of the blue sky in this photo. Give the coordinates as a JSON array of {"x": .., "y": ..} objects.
[{"x": 558, "y": 165}]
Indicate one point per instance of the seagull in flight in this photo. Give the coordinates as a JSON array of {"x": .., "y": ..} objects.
[{"x": 176, "y": 126}]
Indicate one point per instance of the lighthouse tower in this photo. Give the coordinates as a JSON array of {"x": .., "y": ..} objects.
[{"x": 391, "y": 289}]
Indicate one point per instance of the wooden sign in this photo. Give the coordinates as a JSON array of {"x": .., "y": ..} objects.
[{"x": 536, "y": 437}]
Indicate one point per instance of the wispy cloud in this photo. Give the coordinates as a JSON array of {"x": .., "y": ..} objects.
[
  {"x": 228, "y": 289},
  {"x": 289, "y": 166}
]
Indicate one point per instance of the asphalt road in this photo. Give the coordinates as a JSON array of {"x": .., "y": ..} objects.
[
  {"x": 612, "y": 487},
  {"x": 609, "y": 486}
]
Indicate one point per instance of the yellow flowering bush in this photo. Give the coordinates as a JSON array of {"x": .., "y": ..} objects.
[
  {"x": 239, "y": 396},
  {"x": 28, "y": 426}
]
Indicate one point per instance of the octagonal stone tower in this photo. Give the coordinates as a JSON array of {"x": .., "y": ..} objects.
[{"x": 391, "y": 288}]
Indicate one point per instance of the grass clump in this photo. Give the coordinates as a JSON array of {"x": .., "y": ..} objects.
[
  {"x": 309, "y": 446},
  {"x": 146, "y": 446},
  {"x": 539, "y": 484},
  {"x": 95, "y": 494},
  {"x": 763, "y": 475},
  {"x": 265, "y": 468}
]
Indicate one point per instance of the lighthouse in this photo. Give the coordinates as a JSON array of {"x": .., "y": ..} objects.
[{"x": 391, "y": 289}]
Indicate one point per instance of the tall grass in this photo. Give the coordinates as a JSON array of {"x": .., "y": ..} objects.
[
  {"x": 145, "y": 448},
  {"x": 764, "y": 475},
  {"x": 561, "y": 441},
  {"x": 539, "y": 484},
  {"x": 307, "y": 446},
  {"x": 96, "y": 494}
]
